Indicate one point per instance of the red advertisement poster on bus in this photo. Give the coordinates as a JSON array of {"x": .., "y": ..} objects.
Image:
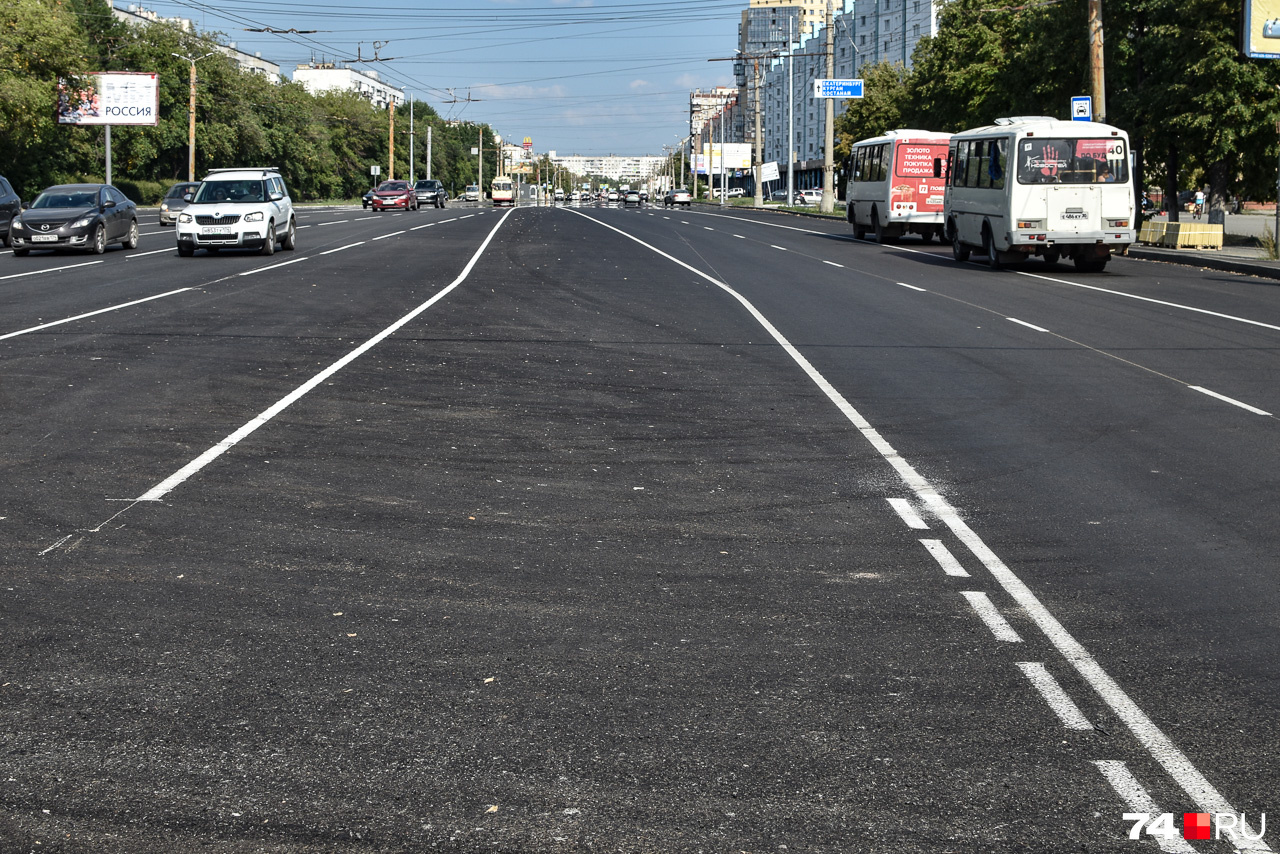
[{"x": 914, "y": 189}]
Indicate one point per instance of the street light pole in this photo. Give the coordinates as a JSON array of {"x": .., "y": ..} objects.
[
  {"x": 791, "y": 119},
  {"x": 1097, "y": 68},
  {"x": 191, "y": 116},
  {"x": 829, "y": 135}
]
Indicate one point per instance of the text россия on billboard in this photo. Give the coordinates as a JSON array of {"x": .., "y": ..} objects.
[{"x": 108, "y": 98}]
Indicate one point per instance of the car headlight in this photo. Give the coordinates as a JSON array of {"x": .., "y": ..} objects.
[
  {"x": 164, "y": 206},
  {"x": 17, "y": 225},
  {"x": 184, "y": 217},
  {"x": 82, "y": 222},
  {"x": 256, "y": 216}
]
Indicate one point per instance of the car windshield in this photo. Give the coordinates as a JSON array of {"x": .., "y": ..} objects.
[
  {"x": 177, "y": 191},
  {"x": 393, "y": 186},
  {"x": 235, "y": 191},
  {"x": 67, "y": 199},
  {"x": 427, "y": 185},
  {"x": 1072, "y": 161}
]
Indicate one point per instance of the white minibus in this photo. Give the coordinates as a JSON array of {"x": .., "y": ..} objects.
[
  {"x": 1033, "y": 185},
  {"x": 503, "y": 191},
  {"x": 893, "y": 189}
]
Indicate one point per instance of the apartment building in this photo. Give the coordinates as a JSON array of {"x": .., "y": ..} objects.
[{"x": 319, "y": 77}]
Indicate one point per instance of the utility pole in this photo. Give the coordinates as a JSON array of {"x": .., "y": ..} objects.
[
  {"x": 759, "y": 203},
  {"x": 1097, "y": 64},
  {"x": 829, "y": 137},
  {"x": 413, "y": 176},
  {"x": 191, "y": 117},
  {"x": 428, "y": 151},
  {"x": 391, "y": 170},
  {"x": 480, "y": 168},
  {"x": 791, "y": 118},
  {"x": 724, "y": 191}
]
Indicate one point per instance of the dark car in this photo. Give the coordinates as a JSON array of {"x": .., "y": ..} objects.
[
  {"x": 76, "y": 216},
  {"x": 175, "y": 200},
  {"x": 430, "y": 192},
  {"x": 394, "y": 196},
  {"x": 367, "y": 199},
  {"x": 10, "y": 207},
  {"x": 781, "y": 196}
]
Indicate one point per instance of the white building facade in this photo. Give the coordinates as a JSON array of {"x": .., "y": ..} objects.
[
  {"x": 319, "y": 77},
  {"x": 612, "y": 167}
]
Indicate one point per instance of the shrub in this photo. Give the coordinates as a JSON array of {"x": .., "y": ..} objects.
[{"x": 142, "y": 192}]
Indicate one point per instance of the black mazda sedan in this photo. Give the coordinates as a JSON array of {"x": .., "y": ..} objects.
[{"x": 76, "y": 216}]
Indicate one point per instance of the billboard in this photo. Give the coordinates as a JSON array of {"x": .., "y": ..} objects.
[
  {"x": 109, "y": 98},
  {"x": 737, "y": 155},
  {"x": 1262, "y": 29}
]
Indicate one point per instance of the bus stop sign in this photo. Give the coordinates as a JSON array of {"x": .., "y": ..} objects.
[{"x": 1082, "y": 108}]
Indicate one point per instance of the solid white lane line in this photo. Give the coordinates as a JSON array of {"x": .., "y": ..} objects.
[
  {"x": 1157, "y": 744},
  {"x": 31, "y": 329},
  {"x": 908, "y": 513},
  {"x": 707, "y": 228},
  {"x": 340, "y": 248},
  {"x": 1137, "y": 800},
  {"x": 49, "y": 270},
  {"x": 164, "y": 487},
  {"x": 275, "y": 266},
  {"x": 1255, "y": 410},
  {"x": 152, "y": 252},
  {"x": 834, "y": 264},
  {"x": 912, "y": 287},
  {"x": 416, "y": 227},
  {"x": 1063, "y": 706},
  {"x": 740, "y": 237},
  {"x": 945, "y": 558},
  {"x": 385, "y": 236},
  {"x": 993, "y": 618},
  {"x": 775, "y": 246},
  {"x": 1028, "y": 325}
]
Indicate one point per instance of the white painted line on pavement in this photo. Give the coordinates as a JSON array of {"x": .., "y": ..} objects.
[
  {"x": 302, "y": 227},
  {"x": 31, "y": 329},
  {"x": 908, "y": 513},
  {"x": 945, "y": 558},
  {"x": 416, "y": 227},
  {"x": 1137, "y": 800},
  {"x": 1158, "y": 745},
  {"x": 1063, "y": 706},
  {"x": 49, "y": 270},
  {"x": 775, "y": 246},
  {"x": 340, "y": 248},
  {"x": 707, "y": 228},
  {"x": 335, "y": 222},
  {"x": 1028, "y": 325},
  {"x": 1255, "y": 410},
  {"x": 392, "y": 234},
  {"x": 740, "y": 237},
  {"x": 276, "y": 266},
  {"x": 164, "y": 487},
  {"x": 443, "y": 221},
  {"x": 994, "y": 619},
  {"x": 912, "y": 287},
  {"x": 154, "y": 233},
  {"x": 834, "y": 264},
  {"x": 152, "y": 252},
  {"x": 366, "y": 218}
]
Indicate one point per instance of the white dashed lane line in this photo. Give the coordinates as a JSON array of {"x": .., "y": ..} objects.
[
  {"x": 152, "y": 252},
  {"x": 1231, "y": 400},
  {"x": 1063, "y": 706},
  {"x": 276, "y": 266},
  {"x": 340, "y": 248},
  {"x": 1028, "y": 325},
  {"x": 993, "y": 618},
  {"x": 385, "y": 236},
  {"x": 945, "y": 558},
  {"x": 903, "y": 508}
]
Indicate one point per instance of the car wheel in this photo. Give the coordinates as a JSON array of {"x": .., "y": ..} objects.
[
  {"x": 99, "y": 243},
  {"x": 269, "y": 245},
  {"x": 185, "y": 251},
  {"x": 290, "y": 237},
  {"x": 131, "y": 242}
]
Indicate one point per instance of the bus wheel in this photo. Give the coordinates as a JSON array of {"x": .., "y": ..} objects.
[
  {"x": 958, "y": 250},
  {"x": 1051, "y": 258},
  {"x": 926, "y": 236},
  {"x": 859, "y": 231},
  {"x": 1091, "y": 264},
  {"x": 989, "y": 246},
  {"x": 878, "y": 227}
]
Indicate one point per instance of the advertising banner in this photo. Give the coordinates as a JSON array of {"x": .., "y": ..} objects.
[
  {"x": 915, "y": 190},
  {"x": 737, "y": 155},
  {"x": 109, "y": 98},
  {"x": 1262, "y": 29}
]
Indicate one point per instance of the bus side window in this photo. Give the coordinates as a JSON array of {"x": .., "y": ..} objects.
[
  {"x": 860, "y": 165},
  {"x": 983, "y": 154},
  {"x": 959, "y": 163},
  {"x": 885, "y": 158},
  {"x": 996, "y": 163},
  {"x": 973, "y": 167}
]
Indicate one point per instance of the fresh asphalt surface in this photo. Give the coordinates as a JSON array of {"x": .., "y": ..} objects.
[{"x": 582, "y": 557}]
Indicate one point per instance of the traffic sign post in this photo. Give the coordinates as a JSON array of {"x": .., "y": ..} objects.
[
  {"x": 375, "y": 170},
  {"x": 1082, "y": 108},
  {"x": 837, "y": 88}
]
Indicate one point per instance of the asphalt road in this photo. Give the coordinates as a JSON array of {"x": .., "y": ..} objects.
[{"x": 631, "y": 530}]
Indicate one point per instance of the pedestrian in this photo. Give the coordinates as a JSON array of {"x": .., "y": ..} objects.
[{"x": 1199, "y": 203}]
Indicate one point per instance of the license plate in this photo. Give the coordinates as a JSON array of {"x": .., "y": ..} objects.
[
  {"x": 44, "y": 238},
  {"x": 213, "y": 231},
  {"x": 1075, "y": 216}
]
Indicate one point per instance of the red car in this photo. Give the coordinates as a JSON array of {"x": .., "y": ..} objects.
[{"x": 394, "y": 195}]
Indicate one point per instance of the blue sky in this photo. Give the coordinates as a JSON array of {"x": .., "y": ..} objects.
[{"x": 578, "y": 76}]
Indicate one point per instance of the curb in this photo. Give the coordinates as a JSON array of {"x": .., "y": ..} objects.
[{"x": 1264, "y": 269}]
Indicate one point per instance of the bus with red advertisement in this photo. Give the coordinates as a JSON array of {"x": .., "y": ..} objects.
[{"x": 894, "y": 187}]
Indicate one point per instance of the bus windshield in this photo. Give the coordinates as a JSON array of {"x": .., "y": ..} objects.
[{"x": 1072, "y": 161}]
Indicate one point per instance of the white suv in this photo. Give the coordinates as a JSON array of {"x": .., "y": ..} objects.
[{"x": 238, "y": 209}]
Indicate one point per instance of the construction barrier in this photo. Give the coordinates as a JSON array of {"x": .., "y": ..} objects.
[{"x": 1191, "y": 235}]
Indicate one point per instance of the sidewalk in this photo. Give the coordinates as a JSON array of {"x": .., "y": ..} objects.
[{"x": 1248, "y": 260}]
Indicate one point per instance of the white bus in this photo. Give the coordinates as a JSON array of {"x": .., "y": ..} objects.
[
  {"x": 503, "y": 191},
  {"x": 1033, "y": 185},
  {"x": 893, "y": 189}
]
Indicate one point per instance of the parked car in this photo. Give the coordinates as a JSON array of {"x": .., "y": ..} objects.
[
  {"x": 430, "y": 192},
  {"x": 175, "y": 200},
  {"x": 394, "y": 196},
  {"x": 780, "y": 196},
  {"x": 76, "y": 216},
  {"x": 632, "y": 197},
  {"x": 812, "y": 196},
  {"x": 238, "y": 209},
  {"x": 677, "y": 196},
  {"x": 10, "y": 207}
]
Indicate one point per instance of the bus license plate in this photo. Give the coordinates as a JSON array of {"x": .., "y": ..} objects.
[{"x": 1075, "y": 216}]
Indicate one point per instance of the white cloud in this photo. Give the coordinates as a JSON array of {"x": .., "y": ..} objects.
[{"x": 639, "y": 84}]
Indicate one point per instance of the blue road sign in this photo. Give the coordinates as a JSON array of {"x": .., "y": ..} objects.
[
  {"x": 837, "y": 88},
  {"x": 1082, "y": 108}
]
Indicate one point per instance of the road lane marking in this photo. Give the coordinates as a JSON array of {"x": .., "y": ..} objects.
[
  {"x": 276, "y": 266},
  {"x": 1136, "y": 799},
  {"x": 776, "y": 246},
  {"x": 366, "y": 218},
  {"x": 1063, "y": 706},
  {"x": 945, "y": 558},
  {"x": 707, "y": 228},
  {"x": 834, "y": 264},
  {"x": 152, "y": 252},
  {"x": 908, "y": 513},
  {"x": 302, "y": 227},
  {"x": 468, "y": 216},
  {"x": 1158, "y": 745},
  {"x": 340, "y": 248},
  {"x": 1230, "y": 400},
  {"x": 51, "y": 323},
  {"x": 1028, "y": 325},
  {"x": 164, "y": 487},
  {"x": 993, "y": 618},
  {"x": 335, "y": 222},
  {"x": 740, "y": 237},
  {"x": 49, "y": 270},
  {"x": 912, "y": 287},
  {"x": 416, "y": 227},
  {"x": 385, "y": 236}
]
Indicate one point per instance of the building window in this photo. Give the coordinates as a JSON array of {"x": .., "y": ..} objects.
[
  {"x": 864, "y": 39},
  {"x": 916, "y": 31}
]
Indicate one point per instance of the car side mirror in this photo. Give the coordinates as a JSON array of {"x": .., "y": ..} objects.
[
  {"x": 275, "y": 197},
  {"x": 937, "y": 167},
  {"x": 109, "y": 203},
  {"x": 186, "y": 197},
  {"x": 24, "y": 206}
]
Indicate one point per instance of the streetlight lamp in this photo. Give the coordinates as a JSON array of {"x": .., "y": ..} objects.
[{"x": 191, "y": 116}]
